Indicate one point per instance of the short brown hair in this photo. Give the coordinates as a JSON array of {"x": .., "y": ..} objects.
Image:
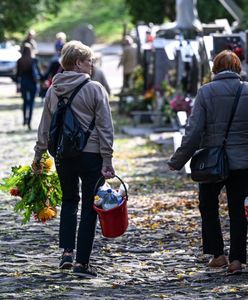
[
  {"x": 73, "y": 51},
  {"x": 226, "y": 60}
]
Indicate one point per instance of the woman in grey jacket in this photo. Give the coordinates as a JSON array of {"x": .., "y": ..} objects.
[
  {"x": 206, "y": 127},
  {"x": 96, "y": 160}
]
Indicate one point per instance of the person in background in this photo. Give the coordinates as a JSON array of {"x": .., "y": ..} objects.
[
  {"x": 28, "y": 74},
  {"x": 98, "y": 75},
  {"x": 206, "y": 128},
  {"x": 93, "y": 163},
  {"x": 31, "y": 41},
  {"x": 54, "y": 66},
  {"x": 60, "y": 41},
  {"x": 129, "y": 60}
]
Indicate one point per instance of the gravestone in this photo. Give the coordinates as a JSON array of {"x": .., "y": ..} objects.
[{"x": 84, "y": 33}]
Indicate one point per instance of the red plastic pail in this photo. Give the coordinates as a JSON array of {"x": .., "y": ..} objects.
[{"x": 113, "y": 222}]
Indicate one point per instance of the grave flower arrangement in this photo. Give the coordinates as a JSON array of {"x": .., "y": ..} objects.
[{"x": 38, "y": 191}]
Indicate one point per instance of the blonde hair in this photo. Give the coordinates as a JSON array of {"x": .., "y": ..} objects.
[
  {"x": 61, "y": 35},
  {"x": 73, "y": 51}
]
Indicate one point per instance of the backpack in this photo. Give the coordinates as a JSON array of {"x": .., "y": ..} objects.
[{"x": 66, "y": 137}]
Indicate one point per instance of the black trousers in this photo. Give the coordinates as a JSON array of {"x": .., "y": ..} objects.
[
  {"x": 86, "y": 167},
  {"x": 236, "y": 190}
]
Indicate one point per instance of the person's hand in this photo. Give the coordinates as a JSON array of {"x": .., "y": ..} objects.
[
  {"x": 108, "y": 172},
  {"x": 36, "y": 167},
  {"x": 171, "y": 168}
]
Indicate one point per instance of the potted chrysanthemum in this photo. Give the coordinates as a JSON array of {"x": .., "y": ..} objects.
[{"x": 38, "y": 193}]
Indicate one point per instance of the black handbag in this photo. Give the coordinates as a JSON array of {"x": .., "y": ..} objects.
[{"x": 210, "y": 165}]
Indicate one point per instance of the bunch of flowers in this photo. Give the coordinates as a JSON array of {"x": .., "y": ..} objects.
[{"x": 38, "y": 188}]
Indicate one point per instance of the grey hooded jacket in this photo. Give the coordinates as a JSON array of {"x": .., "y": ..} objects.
[
  {"x": 208, "y": 122},
  {"x": 90, "y": 101}
]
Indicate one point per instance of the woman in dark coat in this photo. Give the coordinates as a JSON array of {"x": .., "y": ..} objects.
[
  {"x": 206, "y": 127},
  {"x": 28, "y": 74}
]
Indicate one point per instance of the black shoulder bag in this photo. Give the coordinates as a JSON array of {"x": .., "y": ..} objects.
[
  {"x": 210, "y": 165},
  {"x": 66, "y": 137}
]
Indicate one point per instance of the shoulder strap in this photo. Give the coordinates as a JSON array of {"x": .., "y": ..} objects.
[
  {"x": 76, "y": 90},
  {"x": 92, "y": 124},
  {"x": 234, "y": 107}
]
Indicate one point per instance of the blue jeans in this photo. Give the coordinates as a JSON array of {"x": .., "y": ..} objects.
[
  {"x": 28, "y": 91},
  {"x": 236, "y": 189},
  {"x": 86, "y": 167}
]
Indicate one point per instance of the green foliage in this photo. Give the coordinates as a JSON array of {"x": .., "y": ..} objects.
[
  {"x": 147, "y": 11},
  {"x": 244, "y": 6},
  {"x": 159, "y": 10},
  {"x": 106, "y": 16},
  {"x": 208, "y": 11},
  {"x": 17, "y": 16}
]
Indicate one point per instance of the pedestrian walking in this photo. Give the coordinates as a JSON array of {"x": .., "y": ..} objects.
[
  {"x": 28, "y": 75},
  {"x": 54, "y": 65},
  {"x": 93, "y": 163},
  {"x": 129, "y": 60},
  {"x": 30, "y": 39},
  {"x": 206, "y": 127}
]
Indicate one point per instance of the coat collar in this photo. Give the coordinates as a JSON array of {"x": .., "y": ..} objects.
[{"x": 226, "y": 75}]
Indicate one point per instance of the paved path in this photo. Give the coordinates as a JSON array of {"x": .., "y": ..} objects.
[{"x": 159, "y": 257}]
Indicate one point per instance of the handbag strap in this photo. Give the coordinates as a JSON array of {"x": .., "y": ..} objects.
[{"x": 234, "y": 107}]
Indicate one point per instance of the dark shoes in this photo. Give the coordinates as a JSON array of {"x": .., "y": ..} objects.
[
  {"x": 84, "y": 271},
  {"x": 234, "y": 268},
  {"x": 25, "y": 122},
  {"x": 81, "y": 270},
  {"x": 66, "y": 261},
  {"x": 219, "y": 262}
]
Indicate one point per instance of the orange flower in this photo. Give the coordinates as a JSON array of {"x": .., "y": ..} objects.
[
  {"x": 47, "y": 213},
  {"x": 48, "y": 164},
  {"x": 149, "y": 94}
]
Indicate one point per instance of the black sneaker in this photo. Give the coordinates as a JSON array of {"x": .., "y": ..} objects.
[
  {"x": 66, "y": 261},
  {"x": 85, "y": 270}
]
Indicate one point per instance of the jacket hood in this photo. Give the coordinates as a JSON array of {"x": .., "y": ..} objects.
[{"x": 64, "y": 83}]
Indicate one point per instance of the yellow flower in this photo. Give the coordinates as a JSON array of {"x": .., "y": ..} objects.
[
  {"x": 48, "y": 164},
  {"x": 47, "y": 213}
]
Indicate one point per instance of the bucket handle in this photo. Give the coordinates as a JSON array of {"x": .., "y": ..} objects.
[{"x": 102, "y": 179}]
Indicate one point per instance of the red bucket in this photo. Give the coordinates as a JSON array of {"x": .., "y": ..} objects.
[{"x": 114, "y": 222}]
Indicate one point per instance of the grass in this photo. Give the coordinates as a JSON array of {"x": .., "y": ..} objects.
[{"x": 106, "y": 16}]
